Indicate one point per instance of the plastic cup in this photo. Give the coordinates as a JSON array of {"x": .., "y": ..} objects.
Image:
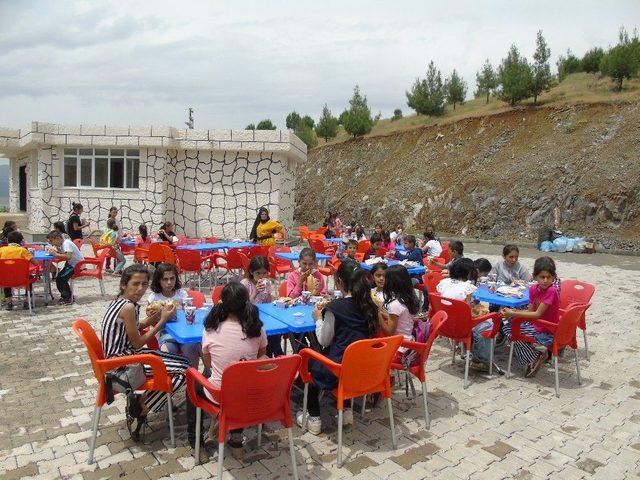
[{"x": 190, "y": 314}]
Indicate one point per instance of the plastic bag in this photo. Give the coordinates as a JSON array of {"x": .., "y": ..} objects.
[
  {"x": 560, "y": 244},
  {"x": 579, "y": 245},
  {"x": 547, "y": 246},
  {"x": 570, "y": 243}
]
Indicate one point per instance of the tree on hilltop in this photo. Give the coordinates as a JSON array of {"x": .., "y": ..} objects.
[
  {"x": 265, "y": 125},
  {"x": 590, "y": 62},
  {"x": 327, "y": 124},
  {"x": 455, "y": 89},
  {"x": 514, "y": 75},
  {"x": 251, "y": 126},
  {"x": 427, "y": 95},
  {"x": 540, "y": 70},
  {"x": 567, "y": 65},
  {"x": 292, "y": 120},
  {"x": 358, "y": 120},
  {"x": 486, "y": 80},
  {"x": 622, "y": 61}
]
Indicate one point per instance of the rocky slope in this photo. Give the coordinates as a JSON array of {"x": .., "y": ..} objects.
[{"x": 500, "y": 176}]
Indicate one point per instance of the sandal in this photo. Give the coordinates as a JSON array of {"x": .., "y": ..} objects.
[{"x": 134, "y": 412}]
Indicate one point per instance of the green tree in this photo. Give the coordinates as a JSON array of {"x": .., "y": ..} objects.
[
  {"x": 358, "y": 120},
  {"x": 308, "y": 121},
  {"x": 540, "y": 70},
  {"x": 327, "y": 125},
  {"x": 397, "y": 115},
  {"x": 342, "y": 117},
  {"x": 590, "y": 62},
  {"x": 251, "y": 126},
  {"x": 567, "y": 65},
  {"x": 621, "y": 61},
  {"x": 292, "y": 120},
  {"x": 427, "y": 95},
  {"x": 456, "y": 89},
  {"x": 514, "y": 75},
  {"x": 486, "y": 80},
  {"x": 306, "y": 134},
  {"x": 265, "y": 125}
]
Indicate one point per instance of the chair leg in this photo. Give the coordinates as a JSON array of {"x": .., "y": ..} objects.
[
  {"x": 491, "y": 353},
  {"x": 304, "y": 407},
  {"x": 339, "y": 438},
  {"x": 466, "y": 369},
  {"x": 555, "y": 366},
  {"x": 364, "y": 404},
  {"x": 259, "y": 435},
  {"x": 586, "y": 346},
  {"x": 453, "y": 352},
  {"x": 392, "y": 425},
  {"x": 198, "y": 427},
  {"x": 509, "y": 362},
  {"x": 575, "y": 352},
  {"x": 409, "y": 381},
  {"x": 293, "y": 454},
  {"x": 220, "y": 459},
  {"x": 426, "y": 408},
  {"x": 29, "y": 300},
  {"x": 94, "y": 432},
  {"x": 102, "y": 288},
  {"x": 170, "y": 413}
]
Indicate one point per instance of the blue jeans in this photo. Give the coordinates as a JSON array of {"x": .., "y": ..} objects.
[{"x": 121, "y": 260}]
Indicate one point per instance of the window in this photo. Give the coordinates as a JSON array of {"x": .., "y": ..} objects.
[{"x": 101, "y": 168}]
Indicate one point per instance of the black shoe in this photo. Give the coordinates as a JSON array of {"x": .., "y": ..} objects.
[
  {"x": 134, "y": 413},
  {"x": 8, "y": 306},
  {"x": 235, "y": 440}
]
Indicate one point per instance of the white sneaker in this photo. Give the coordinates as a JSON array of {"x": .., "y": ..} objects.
[
  {"x": 314, "y": 425},
  {"x": 347, "y": 417}
]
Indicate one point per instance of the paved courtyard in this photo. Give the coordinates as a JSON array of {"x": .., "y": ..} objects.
[{"x": 497, "y": 428}]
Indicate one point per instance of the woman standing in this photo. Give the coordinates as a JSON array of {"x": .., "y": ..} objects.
[
  {"x": 75, "y": 223},
  {"x": 264, "y": 229}
]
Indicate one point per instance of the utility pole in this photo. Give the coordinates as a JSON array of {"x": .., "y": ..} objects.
[{"x": 190, "y": 122}]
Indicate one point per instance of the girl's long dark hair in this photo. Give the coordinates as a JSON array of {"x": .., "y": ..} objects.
[
  {"x": 259, "y": 262},
  {"x": 253, "y": 236},
  {"x": 398, "y": 286},
  {"x": 161, "y": 269},
  {"x": 234, "y": 300},
  {"x": 128, "y": 273},
  {"x": 359, "y": 282},
  {"x": 144, "y": 233},
  {"x": 9, "y": 226}
]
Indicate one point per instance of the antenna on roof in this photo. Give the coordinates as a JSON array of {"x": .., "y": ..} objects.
[{"x": 190, "y": 122}]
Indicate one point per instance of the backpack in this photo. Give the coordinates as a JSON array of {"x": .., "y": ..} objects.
[
  {"x": 105, "y": 239},
  {"x": 420, "y": 333}
]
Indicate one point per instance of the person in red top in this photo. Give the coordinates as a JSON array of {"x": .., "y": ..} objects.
[
  {"x": 376, "y": 250},
  {"x": 544, "y": 303}
]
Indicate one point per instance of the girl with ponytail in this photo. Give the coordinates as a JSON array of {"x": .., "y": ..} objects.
[{"x": 233, "y": 332}]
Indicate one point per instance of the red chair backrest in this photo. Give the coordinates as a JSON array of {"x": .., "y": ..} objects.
[
  {"x": 446, "y": 254},
  {"x": 141, "y": 254},
  {"x": 432, "y": 267},
  {"x": 257, "y": 391},
  {"x": 575, "y": 291},
  {"x": 366, "y": 365},
  {"x": 189, "y": 260},
  {"x": 317, "y": 245},
  {"x": 79, "y": 242},
  {"x": 215, "y": 293},
  {"x": 14, "y": 272},
  {"x": 87, "y": 334},
  {"x": 211, "y": 239},
  {"x": 363, "y": 246},
  {"x": 282, "y": 289},
  {"x": 435, "y": 324},
  {"x": 259, "y": 250},
  {"x": 234, "y": 260},
  {"x": 245, "y": 262},
  {"x": 156, "y": 253},
  {"x": 283, "y": 249},
  {"x": 565, "y": 334},
  {"x": 459, "y": 320},
  {"x": 197, "y": 297},
  {"x": 431, "y": 281},
  {"x": 304, "y": 232}
]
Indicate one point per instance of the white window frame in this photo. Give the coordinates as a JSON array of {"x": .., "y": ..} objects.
[{"x": 79, "y": 157}]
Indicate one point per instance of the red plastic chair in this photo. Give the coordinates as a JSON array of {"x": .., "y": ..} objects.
[
  {"x": 126, "y": 249},
  {"x": 258, "y": 250},
  {"x": 281, "y": 265},
  {"x": 245, "y": 262},
  {"x": 190, "y": 261},
  {"x": 197, "y": 298},
  {"x": 282, "y": 289},
  {"x": 564, "y": 335},
  {"x": 430, "y": 266},
  {"x": 364, "y": 370},
  {"x": 215, "y": 294},
  {"x": 211, "y": 239},
  {"x": 304, "y": 232},
  {"x": 78, "y": 243},
  {"x": 81, "y": 270},
  {"x": 430, "y": 281},
  {"x": 15, "y": 273},
  {"x": 141, "y": 255},
  {"x": 459, "y": 325},
  {"x": 445, "y": 254},
  {"x": 317, "y": 245},
  {"x": 229, "y": 262},
  {"x": 364, "y": 246},
  {"x": 575, "y": 291},
  {"x": 423, "y": 350},
  {"x": 159, "y": 381},
  {"x": 251, "y": 393},
  {"x": 160, "y": 253}
]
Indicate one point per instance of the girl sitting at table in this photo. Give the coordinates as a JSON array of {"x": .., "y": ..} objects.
[
  {"x": 143, "y": 240},
  {"x": 432, "y": 246},
  {"x": 343, "y": 321},
  {"x": 510, "y": 270},
  {"x": 264, "y": 229},
  {"x": 59, "y": 226},
  {"x": 544, "y": 303},
  {"x": 13, "y": 251},
  {"x": 165, "y": 286},
  {"x": 306, "y": 277},
  {"x": 378, "y": 271},
  {"x": 167, "y": 234},
  {"x": 387, "y": 243},
  {"x": 233, "y": 333}
]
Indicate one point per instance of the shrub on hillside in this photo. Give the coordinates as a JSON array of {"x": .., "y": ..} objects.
[
  {"x": 514, "y": 75},
  {"x": 590, "y": 62},
  {"x": 427, "y": 95},
  {"x": 327, "y": 125},
  {"x": 358, "y": 119},
  {"x": 567, "y": 65},
  {"x": 397, "y": 115}
]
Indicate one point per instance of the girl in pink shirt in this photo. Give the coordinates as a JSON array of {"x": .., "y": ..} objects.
[
  {"x": 306, "y": 277},
  {"x": 233, "y": 333},
  {"x": 544, "y": 303}
]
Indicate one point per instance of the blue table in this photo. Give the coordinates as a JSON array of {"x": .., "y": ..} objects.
[
  {"x": 483, "y": 295},
  {"x": 294, "y": 257},
  {"x": 419, "y": 270},
  {"x": 185, "y": 333},
  {"x": 44, "y": 257},
  {"x": 129, "y": 242},
  {"x": 206, "y": 247},
  {"x": 333, "y": 240},
  {"x": 295, "y": 324}
]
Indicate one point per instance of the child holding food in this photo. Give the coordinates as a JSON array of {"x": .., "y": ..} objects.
[
  {"x": 378, "y": 271},
  {"x": 167, "y": 288},
  {"x": 306, "y": 277}
]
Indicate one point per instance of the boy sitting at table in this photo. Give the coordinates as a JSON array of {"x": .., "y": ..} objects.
[
  {"x": 350, "y": 251},
  {"x": 411, "y": 252},
  {"x": 66, "y": 250},
  {"x": 376, "y": 250},
  {"x": 14, "y": 251},
  {"x": 306, "y": 277}
]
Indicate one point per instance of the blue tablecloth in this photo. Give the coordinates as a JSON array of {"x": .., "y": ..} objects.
[
  {"x": 483, "y": 295},
  {"x": 295, "y": 324},
  {"x": 42, "y": 256},
  {"x": 294, "y": 257},
  {"x": 129, "y": 242},
  {"x": 333, "y": 240},
  {"x": 185, "y": 333},
  {"x": 419, "y": 270},
  {"x": 206, "y": 247}
]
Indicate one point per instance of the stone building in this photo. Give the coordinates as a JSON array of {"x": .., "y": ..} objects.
[{"x": 207, "y": 182}]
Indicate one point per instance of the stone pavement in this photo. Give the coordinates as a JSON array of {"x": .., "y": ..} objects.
[{"x": 497, "y": 428}]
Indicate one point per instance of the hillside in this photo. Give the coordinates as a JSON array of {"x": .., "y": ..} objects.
[{"x": 501, "y": 175}]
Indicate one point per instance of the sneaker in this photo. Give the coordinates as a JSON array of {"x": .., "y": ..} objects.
[
  {"x": 347, "y": 417},
  {"x": 25, "y": 305},
  {"x": 235, "y": 440},
  {"x": 479, "y": 366},
  {"x": 314, "y": 424},
  {"x": 8, "y": 306},
  {"x": 532, "y": 368},
  {"x": 62, "y": 301}
]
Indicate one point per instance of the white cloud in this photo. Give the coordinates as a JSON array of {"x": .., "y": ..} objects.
[{"x": 146, "y": 62}]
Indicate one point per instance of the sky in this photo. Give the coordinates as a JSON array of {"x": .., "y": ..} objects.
[{"x": 239, "y": 62}]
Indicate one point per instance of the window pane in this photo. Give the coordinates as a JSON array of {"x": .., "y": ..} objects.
[
  {"x": 70, "y": 151},
  {"x": 85, "y": 172},
  {"x": 117, "y": 173},
  {"x": 102, "y": 172},
  {"x": 117, "y": 153},
  {"x": 133, "y": 153},
  {"x": 133, "y": 173},
  {"x": 70, "y": 171},
  {"x": 86, "y": 151},
  {"x": 102, "y": 152}
]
